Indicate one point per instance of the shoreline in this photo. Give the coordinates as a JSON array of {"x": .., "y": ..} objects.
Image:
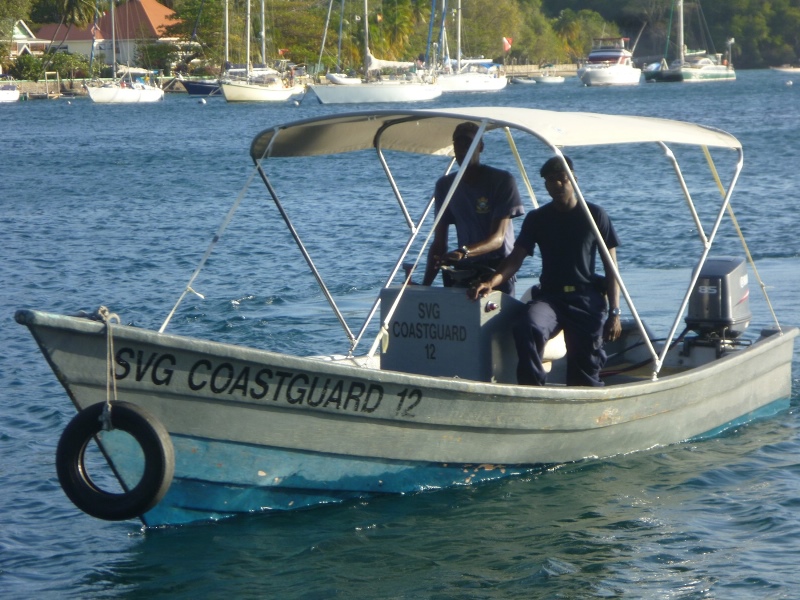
[{"x": 35, "y": 90}]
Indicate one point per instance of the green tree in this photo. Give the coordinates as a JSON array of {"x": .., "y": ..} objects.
[
  {"x": 69, "y": 66},
  {"x": 27, "y": 67},
  {"x": 157, "y": 55},
  {"x": 10, "y": 12}
]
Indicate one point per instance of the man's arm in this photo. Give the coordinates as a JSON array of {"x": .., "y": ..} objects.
[
  {"x": 436, "y": 252},
  {"x": 484, "y": 246},
  {"x": 613, "y": 328},
  {"x": 505, "y": 270}
]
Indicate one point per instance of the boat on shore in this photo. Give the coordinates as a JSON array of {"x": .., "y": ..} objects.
[
  {"x": 610, "y": 62},
  {"x": 198, "y": 430}
]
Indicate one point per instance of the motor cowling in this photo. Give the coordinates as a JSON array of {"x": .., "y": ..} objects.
[{"x": 719, "y": 305}]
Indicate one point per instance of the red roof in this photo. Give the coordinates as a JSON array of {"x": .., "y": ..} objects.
[{"x": 136, "y": 19}]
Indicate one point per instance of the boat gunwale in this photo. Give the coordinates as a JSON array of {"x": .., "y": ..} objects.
[{"x": 503, "y": 392}]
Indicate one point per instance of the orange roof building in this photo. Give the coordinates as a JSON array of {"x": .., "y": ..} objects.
[{"x": 136, "y": 21}]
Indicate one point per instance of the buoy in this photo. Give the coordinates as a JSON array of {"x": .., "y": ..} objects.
[
  {"x": 202, "y": 101},
  {"x": 789, "y": 82},
  {"x": 296, "y": 103},
  {"x": 159, "y": 462}
]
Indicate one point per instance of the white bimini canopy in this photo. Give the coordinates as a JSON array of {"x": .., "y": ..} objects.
[{"x": 430, "y": 131}]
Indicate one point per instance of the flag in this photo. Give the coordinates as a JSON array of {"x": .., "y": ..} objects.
[
  {"x": 282, "y": 51},
  {"x": 507, "y": 44}
]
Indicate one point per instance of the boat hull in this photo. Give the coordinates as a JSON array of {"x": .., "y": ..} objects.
[
  {"x": 115, "y": 94},
  {"x": 255, "y": 430},
  {"x": 691, "y": 75},
  {"x": 244, "y": 92},
  {"x": 202, "y": 88},
  {"x": 9, "y": 93},
  {"x": 388, "y": 91},
  {"x": 609, "y": 75},
  {"x": 472, "y": 82}
]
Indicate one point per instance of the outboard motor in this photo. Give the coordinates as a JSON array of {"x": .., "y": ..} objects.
[{"x": 719, "y": 307}]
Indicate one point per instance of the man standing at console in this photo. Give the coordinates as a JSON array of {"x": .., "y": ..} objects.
[
  {"x": 481, "y": 209},
  {"x": 570, "y": 296}
]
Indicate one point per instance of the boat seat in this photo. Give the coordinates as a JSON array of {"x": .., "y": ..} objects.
[{"x": 555, "y": 347}]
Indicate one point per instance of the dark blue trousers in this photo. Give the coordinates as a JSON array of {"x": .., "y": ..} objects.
[{"x": 581, "y": 315}]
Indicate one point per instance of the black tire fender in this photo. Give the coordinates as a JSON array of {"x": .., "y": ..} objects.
[{"x": 159, "y": 462}]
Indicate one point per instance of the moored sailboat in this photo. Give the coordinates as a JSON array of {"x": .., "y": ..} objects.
[
  {"x": 267, "y": 86},
  {"x": 692, "y": 66},
  {"x": 411, "y": 87},
  {"x": 127, "y": 89},
  {"x": 470, "y": 75}
]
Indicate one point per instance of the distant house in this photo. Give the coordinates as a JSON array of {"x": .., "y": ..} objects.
[
  {"x": 137, "y": 21},
  {"x": 24, "y": 42}
]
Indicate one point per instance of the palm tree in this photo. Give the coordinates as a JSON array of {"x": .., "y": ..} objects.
[
  {"x": 568, "y": 28},
  {"x": 73, "y": 12}
]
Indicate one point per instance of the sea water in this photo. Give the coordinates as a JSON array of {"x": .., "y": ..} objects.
[{"x": 115, "y": 205}]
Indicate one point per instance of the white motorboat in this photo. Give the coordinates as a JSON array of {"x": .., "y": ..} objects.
[
  {"x": 609, "y": 63},
  {"x": 548, "y": 76},
  {"x": 200, "y": 430},
  {"x": 9, "y": 91},
  {"x": 786, "y": 69}
]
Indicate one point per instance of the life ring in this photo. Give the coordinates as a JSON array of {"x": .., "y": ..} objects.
[{"x": 159, "y": 462}]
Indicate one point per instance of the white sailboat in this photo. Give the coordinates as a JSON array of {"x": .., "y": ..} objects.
[
  {"x": 692, "y": 66},
  {"x": 469, "y": 76},
  {"x": 411, "y": 88},
  {"x": 127, "y": 89},
  {"x": 267, "y": 86}
]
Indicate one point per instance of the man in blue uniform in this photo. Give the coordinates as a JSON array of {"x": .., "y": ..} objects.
[
  {"x": 570, "y": 296},
  {"x": 481, "y": 209}
]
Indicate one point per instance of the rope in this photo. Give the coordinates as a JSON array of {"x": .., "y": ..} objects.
[
  {"x": 109, "y": 318},
  {"x": 217, "y": 236}
]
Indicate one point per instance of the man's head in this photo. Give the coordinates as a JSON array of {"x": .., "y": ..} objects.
[
  {"x": 463, "y": 135},
  {"x": 554, "y": 166},
  {"x": 556, "y": 180}
]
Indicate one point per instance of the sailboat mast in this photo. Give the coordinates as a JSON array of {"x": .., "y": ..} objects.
[
  {"x": 247, "y": 39},
  {"x": 366, "y": 40},
  {"x": 325, "y": 36},
  {"x": 339, "y": 49},
  {"x": 458, "y": 38},
  {"x": 113, "y": 40},
  {"x": 263, "y": 36},
  {"x": 681, "y": 54},
  {"x": 227, "y": 48}
]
